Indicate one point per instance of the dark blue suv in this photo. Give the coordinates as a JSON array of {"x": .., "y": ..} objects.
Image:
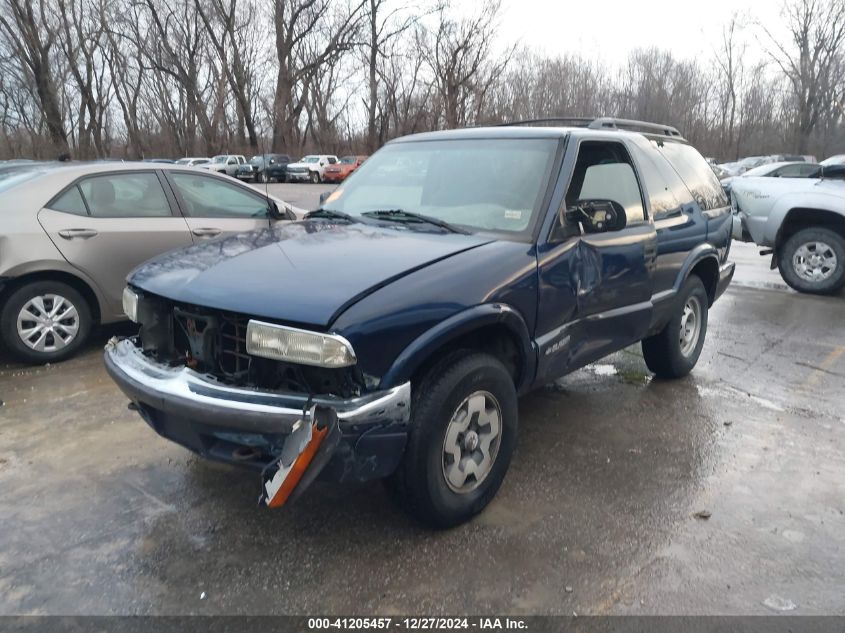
[{"x": 389, "y": 333}]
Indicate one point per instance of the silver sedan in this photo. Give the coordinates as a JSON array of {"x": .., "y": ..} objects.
[{"x": 70, "y": 233}]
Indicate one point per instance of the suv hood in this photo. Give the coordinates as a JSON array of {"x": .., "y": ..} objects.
[{"x": 302, "y": 272}]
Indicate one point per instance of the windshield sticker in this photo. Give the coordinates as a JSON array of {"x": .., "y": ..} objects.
[{"x": 513, "y": 215}]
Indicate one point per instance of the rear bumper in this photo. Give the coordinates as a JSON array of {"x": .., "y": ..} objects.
[
  {"x": 726, "y": 274},
  {"x": 249, "y": 427}
]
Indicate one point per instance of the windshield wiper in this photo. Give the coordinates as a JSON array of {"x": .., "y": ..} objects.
[
  {"x": 329, "y": 214},
  {"x": 400, "y": 215}
]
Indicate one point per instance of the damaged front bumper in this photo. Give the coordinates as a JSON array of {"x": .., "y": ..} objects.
[{"x": 360, "y": 438}]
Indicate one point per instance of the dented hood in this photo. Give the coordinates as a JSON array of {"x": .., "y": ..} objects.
[{"x": 302, "y": 272}]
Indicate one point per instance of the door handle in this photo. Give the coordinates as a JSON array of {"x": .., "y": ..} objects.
[
  {"x": 206, "y": 232},
  {"x": 83, "y": 234}
]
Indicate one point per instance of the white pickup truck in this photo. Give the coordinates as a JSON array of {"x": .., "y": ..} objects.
[{"x": 800, "y": 222}]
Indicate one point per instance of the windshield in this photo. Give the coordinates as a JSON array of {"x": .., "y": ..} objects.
[
  {"x": 347, "y": 160},
  {"x": 183, "y": 161},
  {"x": 219, "y": 159},
  {"x": 256, "y": 160},
  {"x": 310, "y": 159},
  {"x": 486, "y": 184},
  {"x": 762, "y": 170}
]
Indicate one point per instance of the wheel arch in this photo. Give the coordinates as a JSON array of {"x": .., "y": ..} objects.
[
  {"x": 798, "y": 218},
  {"x": 497, "y": 329},
  {"x": 74, "y": 281},
  {"x": 704, "y": 263}
]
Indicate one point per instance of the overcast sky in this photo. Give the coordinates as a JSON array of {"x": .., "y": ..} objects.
[{"x": 610, "y": 29}]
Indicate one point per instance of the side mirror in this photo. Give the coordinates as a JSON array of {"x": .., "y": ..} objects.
[
  {"x": 597, "y": 216},
  {"x": 276, "y": 213}
]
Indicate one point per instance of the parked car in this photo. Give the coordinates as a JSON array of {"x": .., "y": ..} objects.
[
  {"x": 165, "y": 161},
  {"x": 71, "y": 232},
  {"x": 310, "y": 168},
  {"x": 264, "y": 167},
  {"x": 838, "y": 159},
  {"x": 776, "y": 170},
  {"x": 193, "y": 161},
  {"x": 225, "y": 164},
  {"x": 799, "y": 222},
  {"x": 341, "y": 170},
  {"x": 389, "y": 333}
]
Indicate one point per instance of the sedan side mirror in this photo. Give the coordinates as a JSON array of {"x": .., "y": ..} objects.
[
  {"x": 597, "y": 216},
  {"x": 286, "y": 213}
]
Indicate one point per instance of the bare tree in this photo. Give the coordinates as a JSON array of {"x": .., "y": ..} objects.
[
  {"x": 811, "y": 60},
  {"x": 308, "y": 34},
  {"x": 464, "y": 63},
  {"x": 32, "y": 37}
]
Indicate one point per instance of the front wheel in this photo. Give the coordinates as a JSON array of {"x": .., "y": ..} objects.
[
  {"x": 464, "y": 433},
  {"x": 813, "y": 261},
  {"x": 315, "y": 177},
  {"x": 674, "y": 351},
  {"x": 45, "y": 321}
]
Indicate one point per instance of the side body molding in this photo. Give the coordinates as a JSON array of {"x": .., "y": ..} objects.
[{"x": 458, "y": 325}]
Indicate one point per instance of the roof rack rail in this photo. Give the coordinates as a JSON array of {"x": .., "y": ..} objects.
[{"x": 607, "y": 123}]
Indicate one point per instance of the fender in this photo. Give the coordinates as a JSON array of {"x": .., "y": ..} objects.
[
  {"x": 458, "y": 325},
  {"x": 698, "y": 254},
  {"x": 53, "y": 266}
]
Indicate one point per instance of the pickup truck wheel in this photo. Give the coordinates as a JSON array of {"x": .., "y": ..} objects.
[
  {"x": 315, "y": 177},
  {"x": 674, "y": 351},
  {"x": 464, "y": 432},
  {"x": 45, "y": 322},
  {"x": 813, "y": 261}
]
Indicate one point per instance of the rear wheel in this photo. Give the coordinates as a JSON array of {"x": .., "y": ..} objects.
[
  {"x": 45, "y": 321},
  {"x": 813, "y": 261},
  {"x": 464, "y": 433},
  {"x": 674, "y": 351}
]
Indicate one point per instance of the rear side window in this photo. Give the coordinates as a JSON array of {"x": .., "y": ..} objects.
[
  {"x": 666, "y": 191},
  {"x": 69, "y": 202},
  {"x": 129, "y": 195},
  {"x": 695, "y": 172}
]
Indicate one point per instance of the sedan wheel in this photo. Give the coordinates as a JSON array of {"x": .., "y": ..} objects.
[
  {"x": 45, "y": 321},
  {"x": 48, "y": 323}
]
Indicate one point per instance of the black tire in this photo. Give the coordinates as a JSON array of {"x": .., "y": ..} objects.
[
  {"x": 787, "y": 253},
  {"x": 664, "y": 353},
  {"x": 315, "y": 177},
  {"x": 23, "y": 295},
  {"x": 419, "y": 485}
]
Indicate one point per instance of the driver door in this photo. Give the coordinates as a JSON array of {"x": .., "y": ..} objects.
[
  {"x": 214, "y": 207},
  {"x": 608, "y": 272}
]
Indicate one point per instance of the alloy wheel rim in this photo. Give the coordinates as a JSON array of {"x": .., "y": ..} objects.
[
  {"x": 690, "y": 326},
  {"x": 48, "y": 323},
  {"x": 472, "y": 442},
  {"x": 814, "y": 261}
]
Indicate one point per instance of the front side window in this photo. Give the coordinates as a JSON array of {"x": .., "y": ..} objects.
[
  {"x": 603, "y": 171},
  {"x": 485, "y": 184},
  {"x": 130, "y": 195},
  {"x": 208, "y": 197}
]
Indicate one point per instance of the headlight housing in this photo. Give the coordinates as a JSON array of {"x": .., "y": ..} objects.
[
  {"x": 293, "y": 345},
  {"x": 130, "y": 303}
]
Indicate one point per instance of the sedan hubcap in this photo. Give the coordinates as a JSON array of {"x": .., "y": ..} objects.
[
  {"x": 472, "y": 442},
  {"x": 690, "y": 326},
  {"x": 48, "y": 323},
  {"x": 814, "y": 261}
]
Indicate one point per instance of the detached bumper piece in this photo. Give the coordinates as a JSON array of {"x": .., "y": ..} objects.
[
  {"x": 306, "y": 451},
  {"x": 291, "y": 439}
]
